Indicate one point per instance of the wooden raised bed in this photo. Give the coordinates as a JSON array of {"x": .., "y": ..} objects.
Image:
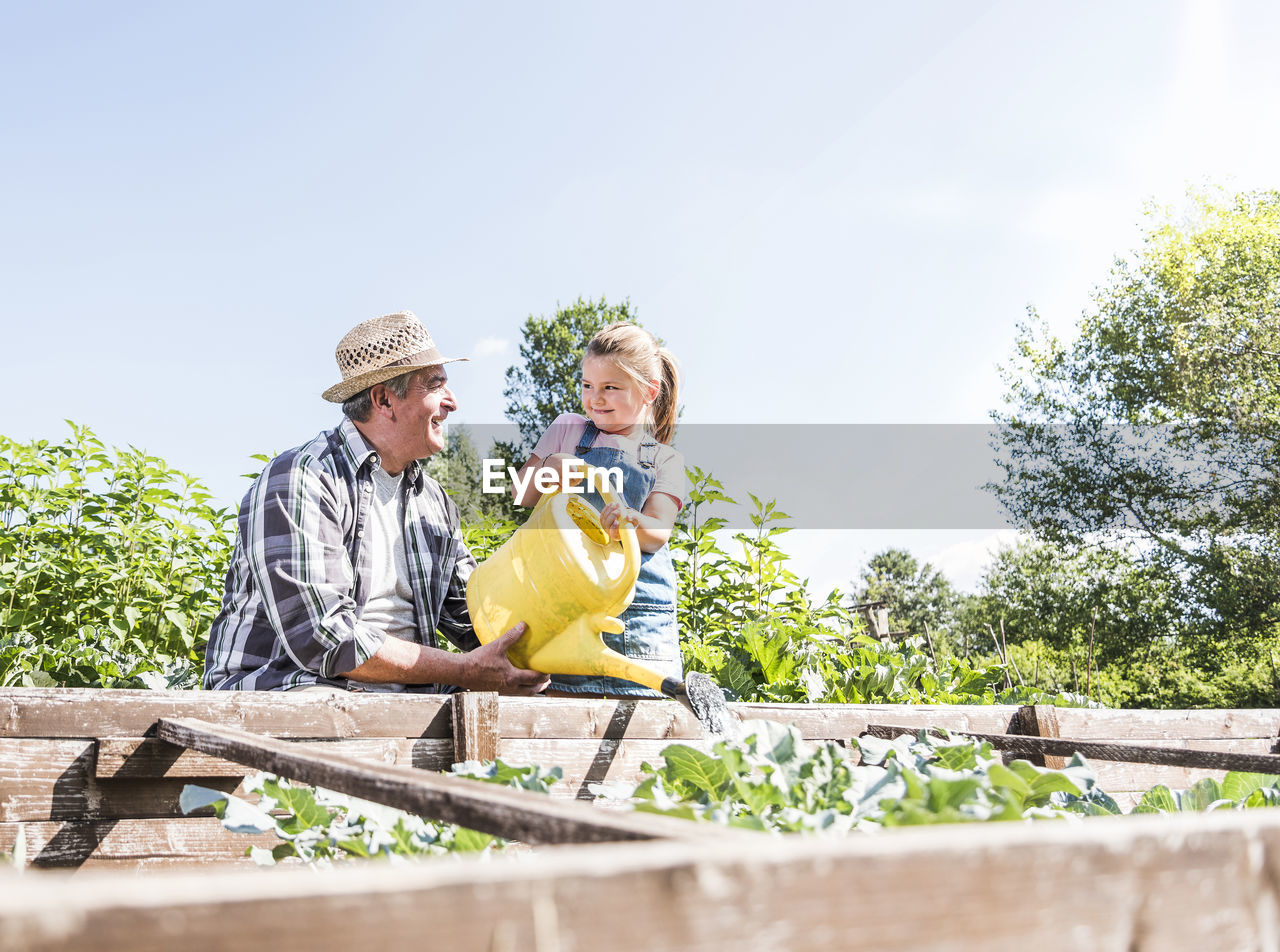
[
  {"x": 1130, "y": 884},
  {"x": 86, "y": 783}
]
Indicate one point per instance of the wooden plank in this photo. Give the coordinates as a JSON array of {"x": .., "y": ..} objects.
[
  {"x": 594, "y": 719},
  {"x": 597, "y": 719},
  {"x": 514, "y": 814},
  {"x": 1132, "y": 753},
  {"x": 136, "y": 845},
  {"x": 1116, "y": 777},
  {"x": 1240, "y": 745},
  {"x": 846, "y": 721},
  {"x": 1148, "y": 884},
  {"x": 93, "y": 712},
  {"x": 1136, "y": 725},
  {"x": 475, "y": 725},
  {"x": 44, "y": 779},
  {"x": 1041, "y": 720},
  {"x": 148, "y": 757}
]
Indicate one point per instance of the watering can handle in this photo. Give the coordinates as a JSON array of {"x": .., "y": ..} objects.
[{"x": 626, "y": 531}]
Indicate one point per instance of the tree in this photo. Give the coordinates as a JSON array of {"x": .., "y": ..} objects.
[
  {"x": 1160, "y": 424},
  {"x": 1102, "y": 604},
  {"x": 1118, "y": 625},
  {"x": 546, "y": 383},
  {"x": 457, "y": 469},
  {"x": 918, "y": 595}
]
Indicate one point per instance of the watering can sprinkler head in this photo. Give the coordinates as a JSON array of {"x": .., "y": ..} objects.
[{"x": 703, "y": 698}]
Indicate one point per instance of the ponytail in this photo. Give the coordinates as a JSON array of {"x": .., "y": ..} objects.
[{"x": 665, "y": 407}]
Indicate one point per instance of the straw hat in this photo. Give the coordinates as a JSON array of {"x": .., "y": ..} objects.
[{"x": 382, "y": 348}]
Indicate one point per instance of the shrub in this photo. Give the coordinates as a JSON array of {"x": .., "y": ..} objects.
[{"x": 111, "y": 566}]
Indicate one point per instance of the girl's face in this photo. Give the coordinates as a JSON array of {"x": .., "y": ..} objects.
[{"x": 611, "y": 399}]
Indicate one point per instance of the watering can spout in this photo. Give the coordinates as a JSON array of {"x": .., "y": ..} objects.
[{"x": 579, "y": 650}]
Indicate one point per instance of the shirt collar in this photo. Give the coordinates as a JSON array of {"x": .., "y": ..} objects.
[{"x": 360, "y": 454}]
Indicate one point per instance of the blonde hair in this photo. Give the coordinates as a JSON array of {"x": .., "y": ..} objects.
[{"x": 642, "y": 359}]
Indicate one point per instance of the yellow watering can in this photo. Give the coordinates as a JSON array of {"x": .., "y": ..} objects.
[{"x": 567, "y": 581}]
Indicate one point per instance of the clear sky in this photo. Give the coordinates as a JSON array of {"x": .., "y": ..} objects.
[{"x": 832, "y": 212}]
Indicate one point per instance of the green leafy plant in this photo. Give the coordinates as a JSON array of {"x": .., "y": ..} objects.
[
  {"x": 769, "y": 778},
  {"x": 750, "y": 624},
  {"x": 111, "y": 566},
  {"x": 1235, "y": 791},
  {"x": 319, "y": 826},
  {"x": 484, "y": 533}
]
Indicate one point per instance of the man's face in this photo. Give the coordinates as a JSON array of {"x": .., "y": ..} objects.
[{"x": 421, "y": 414}]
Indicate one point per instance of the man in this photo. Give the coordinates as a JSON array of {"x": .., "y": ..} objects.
[{"x": 349, "y": 557}]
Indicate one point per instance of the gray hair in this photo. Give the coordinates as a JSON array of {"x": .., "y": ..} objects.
[{"x": 360, "y": 406}]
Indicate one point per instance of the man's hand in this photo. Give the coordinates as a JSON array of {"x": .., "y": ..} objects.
[
  {"x": 489, "y": 669},
  {"x": 483, "y": 669}
]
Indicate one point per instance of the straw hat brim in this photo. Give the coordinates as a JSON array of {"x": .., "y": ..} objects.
[{"x": 341, "y": 392}]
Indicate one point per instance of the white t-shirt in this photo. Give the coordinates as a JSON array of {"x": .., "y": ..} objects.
[
  {"x": 562, "y": 437},
  {"x": 390, "y": 602}
]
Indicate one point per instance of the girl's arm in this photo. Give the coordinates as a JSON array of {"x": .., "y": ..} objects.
[
  {"x": 653, "y": 524},
  {"x": 525, "y": 478}
]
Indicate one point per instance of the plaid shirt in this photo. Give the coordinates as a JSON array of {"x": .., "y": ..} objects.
[{"x": 299, "y": 579}]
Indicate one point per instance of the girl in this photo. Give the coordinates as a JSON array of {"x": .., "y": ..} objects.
[{"x": 629, "y": 390}]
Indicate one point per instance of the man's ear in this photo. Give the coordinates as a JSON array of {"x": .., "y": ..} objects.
[{"x": 380, "y": 398}]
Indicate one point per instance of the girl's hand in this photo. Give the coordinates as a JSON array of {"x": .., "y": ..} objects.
[
  {"x": 570, "y": 469},
  {"x": 613, "y": 515}
]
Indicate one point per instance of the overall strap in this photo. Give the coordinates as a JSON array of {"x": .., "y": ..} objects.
[{"x": 588, "y": 438}]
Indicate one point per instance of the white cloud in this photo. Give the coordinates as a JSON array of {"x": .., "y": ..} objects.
[
  {"x": 964, "y": 562},
  {"x": 831, "y": 558},
  {"x": 490, "y": 347}
]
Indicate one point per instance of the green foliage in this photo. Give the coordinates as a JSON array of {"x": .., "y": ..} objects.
[
  {"x": 484, "y": 534},
  {"x": 1160, "y": 423},
  {"x": 457, "y": 469},
  {"x": 769, "y": 778},
  {"x": 547, "y": 382},
  {"x": 1236, "y": 791},
  {"x": 111, "y": 566},
  {"x": 17, "y": 858},
  {"x": 749, "y": 623},
  {"x": 1112, "y": 625},
  {"x": 319, "y": 826}
]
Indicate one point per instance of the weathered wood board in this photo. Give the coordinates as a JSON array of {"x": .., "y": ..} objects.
[
  {"x": 77, "y": 761},
  {"x": 134, "y": 845},
  {"x": 501, "y": 811},
  {"x": 89, "y": 712},
  {"x": 146, "y": 757},
  {"x": 534, "y": 718},
  {"x": 1132, "y": 884},
  {"x": 1251, "y": 731}
]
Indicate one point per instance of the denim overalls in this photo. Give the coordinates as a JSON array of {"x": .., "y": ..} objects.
[{"x": 651, "y": 636}]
